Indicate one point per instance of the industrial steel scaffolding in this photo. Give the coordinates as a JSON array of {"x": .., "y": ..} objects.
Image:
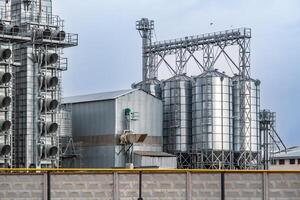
[
  {"x": 211, "y": 46},
  {"x": 37, "y": 38}
]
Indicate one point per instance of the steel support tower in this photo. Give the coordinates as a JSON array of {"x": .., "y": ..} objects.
[
  {"x": 7, "y": 32},
  {"x": 270, "y": 140},
  {"x": 211, "y": 46},
  {"x": 37, "y": 38}
]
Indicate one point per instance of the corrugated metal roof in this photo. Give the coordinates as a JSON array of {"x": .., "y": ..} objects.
[
  {"x": 153, "y": 154},
  {"x": 293, "y": 152},
  {"x": 96, "y": 96}
]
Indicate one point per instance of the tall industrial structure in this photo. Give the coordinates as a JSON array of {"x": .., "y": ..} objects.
[
  {"x": 35, "y": 38},
  {"x": 211, "y": 120}
]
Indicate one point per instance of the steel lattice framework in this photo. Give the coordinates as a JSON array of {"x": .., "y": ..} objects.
[{"x": 211, "y": 46}]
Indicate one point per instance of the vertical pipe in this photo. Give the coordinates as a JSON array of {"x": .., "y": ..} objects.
[{"x": 140, "y": 186}]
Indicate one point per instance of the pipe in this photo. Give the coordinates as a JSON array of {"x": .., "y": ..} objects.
[
  {"x": 4, "y": 101},
  {"x": 5, "y": 77},
  {"x": 50, "y": 104},
  {"x": 4, "y": 149},
  {"x": 58, "y": 35},
  {"x": 49, "y": 59},
  {"x": 4, "y": 125},
  {"x": 5, "y": 54},
  {"x": 49, "y": 127},
  {"x": 49, "y": 81}
]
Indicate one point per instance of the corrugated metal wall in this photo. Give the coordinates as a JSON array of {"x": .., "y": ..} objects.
[
  {"x": 149, "y": 111},
  {"x": 97, "y": 124},
  {"x": 94, "y": 119}
]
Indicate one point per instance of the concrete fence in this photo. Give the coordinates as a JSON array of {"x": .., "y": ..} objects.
[{"x": 149, "y": 185}]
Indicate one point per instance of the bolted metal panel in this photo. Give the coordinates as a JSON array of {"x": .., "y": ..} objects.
[
  {"x": 97, "y": 125},
  {"x": 177, "y": 112},
  {"x": 249, "y": 140},
  {"x": 212, "y": 112},
  {"x": 93, "y": 118},
  {"x": 147, "y": 110}
]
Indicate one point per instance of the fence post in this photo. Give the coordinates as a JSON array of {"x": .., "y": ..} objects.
[
  {"x": 188, "y": 186},
  {"x": 265, "y": 181},
  {"x": 222, "y": 186},
  {"x": 140, "y": 186},
  {"x": 47, "y": 186},
  {"x": 116, "y": 186}
]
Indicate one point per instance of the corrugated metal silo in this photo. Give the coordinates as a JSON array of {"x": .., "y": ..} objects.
[
  {"x": 212, "y": 120},
  {"x": 177, "y": 122},
  {"x": 249, "y": 140}
]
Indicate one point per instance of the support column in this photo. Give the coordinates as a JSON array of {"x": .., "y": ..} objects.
[
  {"x": 188, "y": 186},
  {"x": 116, "y": 186},
  {"x": 47, "y": 186},
  {"x": 265, "y": 185}
]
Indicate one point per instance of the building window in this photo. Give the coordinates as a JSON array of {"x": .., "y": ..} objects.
[
  {"x": 292, "y": 161},
  {"x": 273, "y": 162},
  {"x": 281, "y": 162},
  {"x": 298, "y": 161}
]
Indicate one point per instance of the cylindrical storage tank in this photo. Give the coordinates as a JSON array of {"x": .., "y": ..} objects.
[
  {"x": 177, "y": 113},
  {"x": 66, "y": 123},
  {"x": 247, "y": 140},
  {"x": 212, "y": 112}
]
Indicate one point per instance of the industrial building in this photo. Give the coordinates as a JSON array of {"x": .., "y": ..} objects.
[
  {"x": 111, "y": 129},
  {"x": 209, "y": 119},
  {"x": 286, "y": 160}
]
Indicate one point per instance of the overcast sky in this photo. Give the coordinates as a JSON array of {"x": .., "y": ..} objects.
[{"x": 109, "y": 53}]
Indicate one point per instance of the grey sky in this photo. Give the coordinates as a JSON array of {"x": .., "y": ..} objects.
[{"x": 109, "y": 54}]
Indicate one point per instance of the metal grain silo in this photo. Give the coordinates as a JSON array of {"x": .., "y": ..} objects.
[
  {"x": 212, "y": 135},
  {"x": 177, "y": 105},
  {"x": 246, "y": 140}
]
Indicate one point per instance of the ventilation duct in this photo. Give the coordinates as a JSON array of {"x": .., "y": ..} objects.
[
  {"x": 4, "y": 125},
  {"x": 49, "y": 81},
  {"x": 58, "y": 35},
  {"x": 5, "y": 77},
  {"x": 49, "y": 127},
  {"x": 49, "y": 59},
  {"x": 49, "y": 151},
  {"x": 13, "y": 30},
  {"x": 44, "y": 33},
  {"x": 49, "y": 104},
  {"x": 4, "y": 149},
  {"x": 4, "y": 101},
  {"x": 5, "y": 54}
]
